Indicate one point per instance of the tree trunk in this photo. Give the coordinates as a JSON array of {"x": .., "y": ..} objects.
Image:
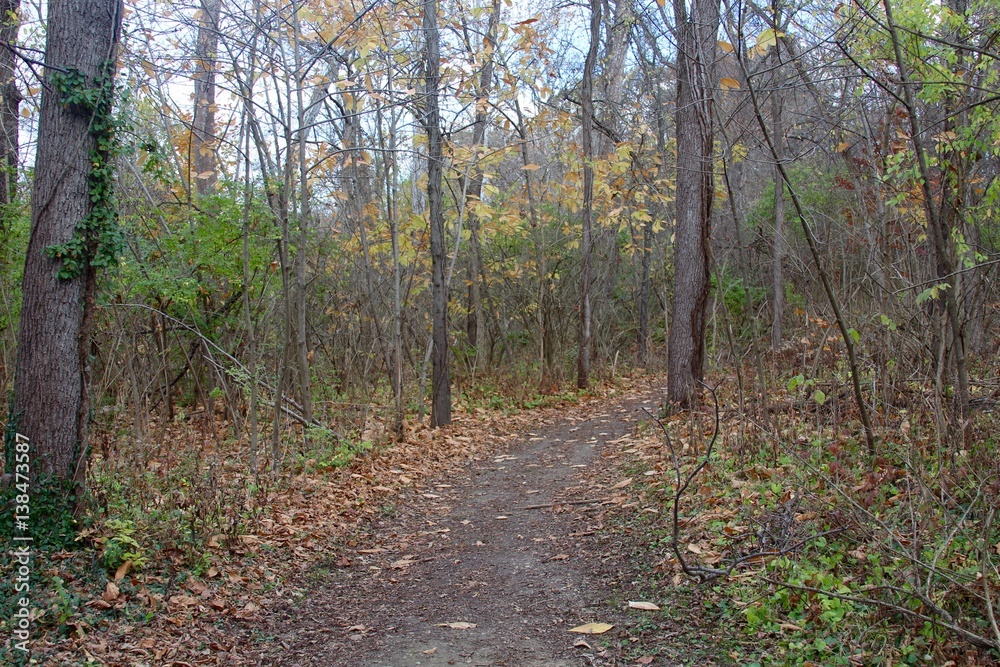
[
  {"x": 203, "y": 162},
  {"x": 938, "y": 221},
  {"x": 546, "y": 381},
  {"x": 10, "y": 102},
  {"x": 696, "y": 35},
  {"x": 587, "y": 132},
  {"x": 440, "y": 381},
  {"x": 475, "y": 191},
  {"x": 777, "y": 280},
  {"x": 50, "y": 404},
  {"x": 302, "y": 356},
  {"x": 619, "y": 33},
  {"x": 642, "y": 355}
]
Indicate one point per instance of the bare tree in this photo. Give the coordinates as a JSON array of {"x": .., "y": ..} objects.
[{"x": 203, "y": 143}]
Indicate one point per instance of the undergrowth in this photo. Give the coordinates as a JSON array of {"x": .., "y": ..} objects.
[{"x": 827, "y": 557}]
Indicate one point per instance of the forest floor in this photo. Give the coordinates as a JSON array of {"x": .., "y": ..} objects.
[
  {"x": 487, "y": 564},
  {"x": 487, "y": 542},
  {"x": 465, "y": 545}
]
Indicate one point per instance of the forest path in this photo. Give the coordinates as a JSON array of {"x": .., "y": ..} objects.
[{"x": 467, "y": 551}]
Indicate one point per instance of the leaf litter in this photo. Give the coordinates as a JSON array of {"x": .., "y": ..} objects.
[{"x": 310, "y": 521}]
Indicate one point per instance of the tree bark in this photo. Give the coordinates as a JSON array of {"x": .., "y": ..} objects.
[
  {"x": 696, "y": 39},
  {"x": 440, "y": 381},
  {"x": 50, "y": 404},
  {"x": 587, "y": 132},
  {"x": 203, "y": 163},
  {"x": 10, "y": 103}
]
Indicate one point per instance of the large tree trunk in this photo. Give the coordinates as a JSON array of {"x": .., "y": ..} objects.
[
  {"x": 203, "y": 163},
  {"x": 440, "y": 381},
  {"x": 587, "y": 132},
  {"x": 50, "y": 390},
  {"x": 10, "y": 102},
  {"x": 696, "y": 39}
]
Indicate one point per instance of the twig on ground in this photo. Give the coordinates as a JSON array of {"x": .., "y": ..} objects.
[{"x": 565, "y": 502}]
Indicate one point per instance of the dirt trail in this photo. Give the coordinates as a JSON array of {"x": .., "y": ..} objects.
[{"x": 465, "y": 550}]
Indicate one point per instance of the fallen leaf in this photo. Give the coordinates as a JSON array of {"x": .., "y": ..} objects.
[
  {"x": 197, "y": 587},
  {"x": 183, "y": 600},
  {"x": 790, "y": 626},
  {"x": 582, "y": 643},
  {"x": 647, "y": 606},
  {"x": 403, "y": 563},
  {"x": 645, "y": 660},
  {"x": 592, "y": 628},
  {"x": 111, "y": 592},
  {"x": 430, "y": 651},
  {"x": 622, "y": 484},
  {"x": 457, "y": 625},
  {"x": 560, "y": 557},
  {"x": 123, "y": 570},
  {"x": 694, "y": 548}
]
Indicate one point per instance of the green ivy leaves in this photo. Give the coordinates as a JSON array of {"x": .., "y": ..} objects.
[{"x": 97, "y": 239}]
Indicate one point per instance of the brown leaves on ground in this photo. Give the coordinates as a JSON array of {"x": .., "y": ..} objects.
[{"x": 308, "y": 524}]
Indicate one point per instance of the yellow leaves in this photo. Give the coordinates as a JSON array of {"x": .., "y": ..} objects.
[
  {"x": 531, "y": 167},
  {"x": 728, "y": 83},
  {"x": 841, "y": 147},
  {"x": 592, "y": 628},
  {"x": 765, "y": 40},
  {"x": 738, "y": 153},
  {"x": 769, "y": 37},
  {"x": 645, "y": 606},
  {"x": 725, "y": 46}
]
